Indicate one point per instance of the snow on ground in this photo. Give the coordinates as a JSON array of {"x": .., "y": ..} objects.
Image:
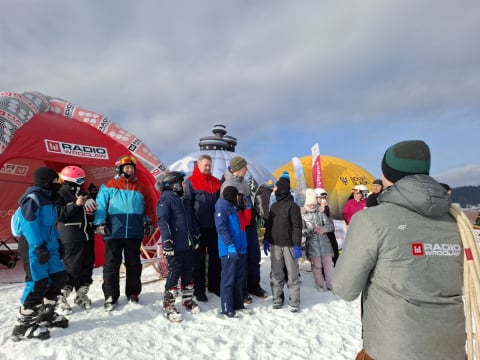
[{"x": 326, "y": 327}]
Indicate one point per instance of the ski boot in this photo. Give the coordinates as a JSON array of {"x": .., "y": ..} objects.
[
  {"x": 81, "y": 298},
  {"x": 49, "y": 318},
  {"x": 63, "y": 307},
  {"x": 258, "y": 292},
  {"x": 247, "y": 299},
  {"x": 187, "y": 299},
  {"x": 27, "y": 326},
  {"x": 169, "y": 309},
  {"x": 133, "y": 299},
  {"x": 109, "y": 304}
]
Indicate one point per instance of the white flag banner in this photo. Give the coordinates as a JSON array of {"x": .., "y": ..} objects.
[
  {"x": 301, "y": 185},
  {"x": 316, "y": 167}
]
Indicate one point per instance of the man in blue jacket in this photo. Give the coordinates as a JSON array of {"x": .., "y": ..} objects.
[{"x": 125, "y": 214}]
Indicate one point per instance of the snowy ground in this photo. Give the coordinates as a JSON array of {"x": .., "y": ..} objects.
[{"x": 326, "y": 327}]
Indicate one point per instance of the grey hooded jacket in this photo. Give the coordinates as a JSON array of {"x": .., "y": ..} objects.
[{"x": 406, "y": 258}]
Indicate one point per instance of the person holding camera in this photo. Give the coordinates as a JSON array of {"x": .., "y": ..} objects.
[{"x": 76, "y": 237}]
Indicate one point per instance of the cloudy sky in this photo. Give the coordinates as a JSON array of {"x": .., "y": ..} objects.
[{"x": 352, "y": 76}]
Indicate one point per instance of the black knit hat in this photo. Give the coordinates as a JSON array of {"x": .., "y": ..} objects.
[
  {"x": 230, "y": 193},
  {"x": 44, "y": 176},
  {"x": 237, "y": 163},
  {"x": 406, "y": 158},
  {"x": 283, "y": 186},
  {"x": 377, "y": 182}
]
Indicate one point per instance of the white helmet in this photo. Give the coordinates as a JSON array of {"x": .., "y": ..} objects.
[
  {"x": 360, "y": 188},
  {"x": 319, "y": 192}
]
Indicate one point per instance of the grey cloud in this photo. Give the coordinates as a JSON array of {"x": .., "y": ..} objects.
[{"x": 467, "y": 175}]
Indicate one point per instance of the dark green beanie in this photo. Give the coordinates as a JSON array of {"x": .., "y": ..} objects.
[{"x": 406, "y": 158}]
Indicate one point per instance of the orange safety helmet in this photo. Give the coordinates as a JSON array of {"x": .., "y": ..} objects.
[{"x": 125, "y": 160}]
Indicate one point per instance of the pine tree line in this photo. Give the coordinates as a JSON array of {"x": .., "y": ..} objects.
[{"x": 466, "y": 196}]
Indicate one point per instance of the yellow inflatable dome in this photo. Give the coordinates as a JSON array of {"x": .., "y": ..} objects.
[{"x": 339, "y": 177}]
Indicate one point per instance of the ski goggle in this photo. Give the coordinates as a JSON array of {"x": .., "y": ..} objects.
[
  {"x": 79, "y": 181},
  {"x": 356, "y": 191},
  {"x": 126, "y": 160}
]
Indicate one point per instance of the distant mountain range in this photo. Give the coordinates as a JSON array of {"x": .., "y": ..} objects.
[{"x": 466, "y": 196}]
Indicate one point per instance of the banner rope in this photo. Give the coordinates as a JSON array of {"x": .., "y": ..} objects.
[{"x": 471, "y": 280}]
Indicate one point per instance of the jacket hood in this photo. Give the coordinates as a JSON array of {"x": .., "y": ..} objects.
[
  {"x": 237, "y": 181},
  {"x": 419, "y": 193},
  {"x": 39, "y": 191}
]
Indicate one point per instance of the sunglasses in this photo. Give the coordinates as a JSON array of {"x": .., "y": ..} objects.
[
  {"x": 322, "y": 195},
  {"x": 356, "y": 191},
  {"x": 79, "y": 181}
]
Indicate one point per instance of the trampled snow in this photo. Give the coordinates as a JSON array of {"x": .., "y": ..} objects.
[{"x": 325, "y": 328}]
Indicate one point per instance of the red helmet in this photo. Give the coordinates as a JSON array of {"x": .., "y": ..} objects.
[{"x": 73, "y": 174}]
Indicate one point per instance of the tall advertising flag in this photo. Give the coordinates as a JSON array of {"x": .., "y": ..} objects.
[
  {"x": 299, "y": 180},
  {"x": 316, "y": 167}
]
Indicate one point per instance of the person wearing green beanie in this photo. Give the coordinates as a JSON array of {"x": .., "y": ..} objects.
[{"x": 405, "y": 257}]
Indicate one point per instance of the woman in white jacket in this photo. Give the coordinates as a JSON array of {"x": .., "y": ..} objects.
[{"x": 316, "y": 225}]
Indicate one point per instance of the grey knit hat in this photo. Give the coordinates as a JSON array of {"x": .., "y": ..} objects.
[{"x": 237, "y": 163}]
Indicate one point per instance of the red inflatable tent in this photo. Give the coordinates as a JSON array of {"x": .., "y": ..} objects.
[{"x": 36, "y": 130}]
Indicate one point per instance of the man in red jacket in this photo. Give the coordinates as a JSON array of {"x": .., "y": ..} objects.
[{"x": 202, "y": 190}]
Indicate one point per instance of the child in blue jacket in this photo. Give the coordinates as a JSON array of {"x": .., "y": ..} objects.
[
  {"x": 232, "y": 249},
  {"x": 38, "y": 247}
]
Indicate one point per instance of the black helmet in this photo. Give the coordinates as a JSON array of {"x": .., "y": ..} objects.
[{"x": 172, "y": 181}]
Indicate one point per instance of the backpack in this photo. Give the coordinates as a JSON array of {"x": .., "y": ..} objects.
[{"x": 15, "y": 223}]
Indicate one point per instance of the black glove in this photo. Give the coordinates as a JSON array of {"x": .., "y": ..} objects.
[
  {"x": 168, "y": 249},
  {"x": 61, "y": 249},
  {"x": 103, "y": 229},
  {"x": 196, "y": 241},
  {"x": 149, "y": 229},
  {"x": 43, "y": 254}
]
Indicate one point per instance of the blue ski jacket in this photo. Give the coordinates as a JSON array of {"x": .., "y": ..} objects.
[
  {"x": 37, "y": 218},
  {"x": 125, "y": 206},
  {"x": 176, "y": 220},
  {"x": 229, "y": 228}
]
